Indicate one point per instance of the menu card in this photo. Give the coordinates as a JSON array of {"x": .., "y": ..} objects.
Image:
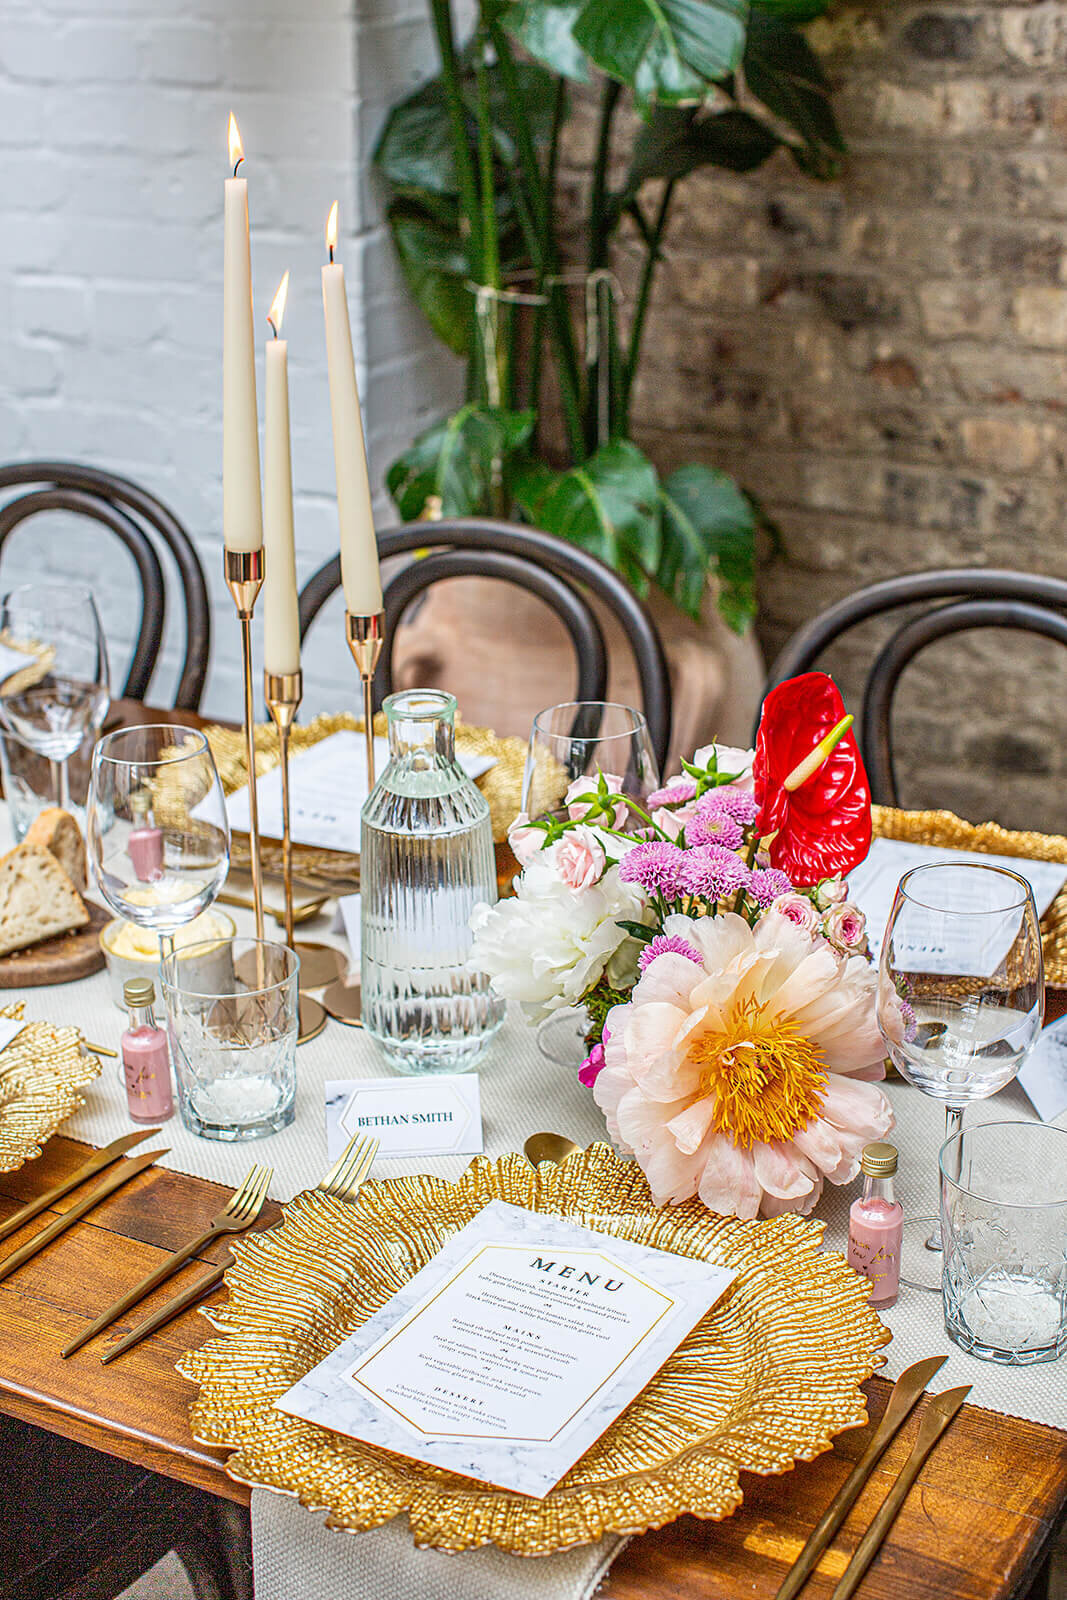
[
  {"x": 327, "y": 788},
  {"x": 513, "y": 1350},
  {"x": 873, "y": 885}
]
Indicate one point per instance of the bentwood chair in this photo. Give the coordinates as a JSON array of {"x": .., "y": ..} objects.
[
  {"x": 139, "y": 521},
  {"x": 560, "y": 574},
  {"x": 975, "y": 597}
]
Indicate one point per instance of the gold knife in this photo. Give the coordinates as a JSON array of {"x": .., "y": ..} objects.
[
  {"x": 96, "y": 1163},
  {"x": 114, "y": 1180},
  {"x": 936, "y": 1419},
  {"x": 906, "y": 1391},
  {"x": 173, "y": 1307}
]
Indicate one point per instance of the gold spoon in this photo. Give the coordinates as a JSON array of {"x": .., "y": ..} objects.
[
  {"x": 304, "y": 913},
  {"x": 553, "y": 1147}
]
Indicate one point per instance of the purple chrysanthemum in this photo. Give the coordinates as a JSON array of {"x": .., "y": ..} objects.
[
  {"x": 674, "y": 794},
  {"x": 668, "y": 944},
  {"x": 766, "y": 884},
  {"x": 713, "y": 873},
  {"x": 592, "y": 1066},
  {"x": 911, "y": 1026},
  {"x": 731, "y": 803},
  {"x": 713, "y": 827},
  {"x": 655, "y": 865}
]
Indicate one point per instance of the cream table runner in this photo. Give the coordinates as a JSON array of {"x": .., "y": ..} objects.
[{"x": 521, "y": 1094}]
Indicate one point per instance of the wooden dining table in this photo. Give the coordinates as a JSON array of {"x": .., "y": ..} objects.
[{"x": 980, "y": 1524}]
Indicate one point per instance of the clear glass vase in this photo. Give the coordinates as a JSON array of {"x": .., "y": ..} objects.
[{"x": 426, "y": 860}]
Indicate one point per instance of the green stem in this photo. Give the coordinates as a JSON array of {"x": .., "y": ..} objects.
[
  {"x": 644, "y": 296},
  {"x": 457, "y": 117},
  {"x": 599, "y": 229},
  {"x": 490, "y": 234}
]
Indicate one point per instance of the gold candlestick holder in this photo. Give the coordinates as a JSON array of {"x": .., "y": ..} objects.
[
  {"x": 319, "y": 963},
  {"x": 244, "y": 579},
  {"x": 365, "y": 636}
]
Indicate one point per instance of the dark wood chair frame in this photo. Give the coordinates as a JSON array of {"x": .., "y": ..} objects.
[
  {"x": 538, "y": 562},
  {"x": 135, "y": 517},
  {"x": 976, "y": 597}
]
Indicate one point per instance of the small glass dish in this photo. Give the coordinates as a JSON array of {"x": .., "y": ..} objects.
[{"x": 133, "y": 952}]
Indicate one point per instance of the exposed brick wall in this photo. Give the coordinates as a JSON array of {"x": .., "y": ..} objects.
[
  {"x": 884, "y": 361},
  {"x": 112, "y": 159}
]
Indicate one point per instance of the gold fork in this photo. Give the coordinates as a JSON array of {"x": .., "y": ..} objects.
[
  {"x": 239, "y": 1212},
  {"x": 343, "y": 1182}
]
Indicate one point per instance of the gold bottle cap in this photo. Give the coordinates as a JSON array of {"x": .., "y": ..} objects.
[
  {"x": 879, "y": 1160},
  {"x": 139, "y": 992}
]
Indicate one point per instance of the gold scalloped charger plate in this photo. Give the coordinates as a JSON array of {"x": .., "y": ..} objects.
[
  {"x": 765, "y": 1380},
  {"x": 41, "y": 1073}
]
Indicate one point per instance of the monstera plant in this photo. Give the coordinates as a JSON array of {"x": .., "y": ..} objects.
[{"x": 471, "y": 163}]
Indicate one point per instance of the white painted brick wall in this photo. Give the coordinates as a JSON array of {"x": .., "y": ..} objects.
[{"x": 112, "y": 159}]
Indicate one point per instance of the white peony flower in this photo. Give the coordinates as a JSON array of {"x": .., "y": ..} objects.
[{"x": 548, "y": 945}]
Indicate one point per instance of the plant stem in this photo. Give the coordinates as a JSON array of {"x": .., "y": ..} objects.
[
  {"x": 441, "y": 15},
  {"x": 598, "y": 427},
  {"x": 644, "y": 296},
  {"x": 490, "y": 238}
]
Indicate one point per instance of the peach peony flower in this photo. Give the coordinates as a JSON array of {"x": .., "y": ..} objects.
[{"x": 741, "y": 1079}]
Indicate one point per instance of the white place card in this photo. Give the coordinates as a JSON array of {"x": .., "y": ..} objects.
[
  {"x": 873, "y": 885},
  {"x": 513, "y": 1350},
  {"x": 9, "y": 1029},
  {"x": 1044, "y": 1073},
  {"x": 327, "y": 788},
  {"x": 430, "y": 1116}
]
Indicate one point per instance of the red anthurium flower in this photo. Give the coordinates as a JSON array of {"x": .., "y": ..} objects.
[{"x": 823, "y": 822}]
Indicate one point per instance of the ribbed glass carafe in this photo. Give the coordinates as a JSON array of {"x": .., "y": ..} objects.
[{"x": 426, "y": 859}]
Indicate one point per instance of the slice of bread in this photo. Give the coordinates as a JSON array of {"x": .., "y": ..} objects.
[
  {"x": 58, "y": 833},
  {"x": 37, "y": 899}
]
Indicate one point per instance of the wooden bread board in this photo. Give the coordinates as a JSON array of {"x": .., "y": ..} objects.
[{"x": 59, "y": 960}]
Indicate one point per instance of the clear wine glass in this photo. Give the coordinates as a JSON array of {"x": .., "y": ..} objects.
[
  {"x": 963, "y": 948},
  {"x": 62, "y": 693},
  {"x": 582, "y": 739},
  {"x": 159, "y": 839}
]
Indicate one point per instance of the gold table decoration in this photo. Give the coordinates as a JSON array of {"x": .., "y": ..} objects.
[
  {"x": 766, "y": 1379},
  {"x": 944, "y": 828},
  {"x": 41, "y": 1073}
]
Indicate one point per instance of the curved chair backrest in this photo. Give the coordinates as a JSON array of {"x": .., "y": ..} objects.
[
  {"x": 548, "y": 567},
  {"x": 977, "y": 597},
  {"x": 135, "y": 517}
]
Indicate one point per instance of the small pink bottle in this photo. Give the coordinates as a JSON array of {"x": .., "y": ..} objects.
[
  {"x": 145, "y": 1056},
  {"x": 145, "y": 844},
  {"x": 875, "y": 1226}
]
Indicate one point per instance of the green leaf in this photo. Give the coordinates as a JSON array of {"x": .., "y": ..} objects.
[
  {"x": 664, "y": 49},
  {"x": 434, "y": 262},
  {"x": 676, "y": 141},
  {"x": 783, "y": 71},
  {"x": 415, "y": 148},
  {"x": 458, "y": 460},
  {"x": 709, "y": 527},
  {"x": 607, "y": 505},
  {"x": 795, "y": 11},
  {"x": 545, "y": 29},
  {"x": 637, "y": 930}
]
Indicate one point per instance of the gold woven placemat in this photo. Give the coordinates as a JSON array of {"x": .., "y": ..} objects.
[
  {"x": 944, "y": 828},
  {"x": 501, "y": 785}
]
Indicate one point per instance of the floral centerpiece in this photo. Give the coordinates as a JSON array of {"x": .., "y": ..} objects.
[{"x": 708, "y": 934}]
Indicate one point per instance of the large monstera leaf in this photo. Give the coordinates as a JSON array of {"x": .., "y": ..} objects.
[
  {"x": 608, "y": 505},
  {"x": 666, "y": 50},
  {"x": 708, "y": 528},
  {"x": 460, "y": 462}
]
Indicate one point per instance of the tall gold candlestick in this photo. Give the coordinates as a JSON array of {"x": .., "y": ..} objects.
[
  {"x": 365, "y": 636},
  {"x": 283, "y": 692},
  {"x": 244, "y": 579}
]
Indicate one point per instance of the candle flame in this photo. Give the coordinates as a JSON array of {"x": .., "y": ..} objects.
[
  {"x": 331, "y": 230},
  {"x": 277, "y": 307},
  {"x": 237, "y": 149}
]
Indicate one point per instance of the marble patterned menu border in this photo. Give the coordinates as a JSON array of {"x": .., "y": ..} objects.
[{"x": 513, "y": 1350}]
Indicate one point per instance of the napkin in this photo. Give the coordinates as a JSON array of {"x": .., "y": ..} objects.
[{"x": 298, "y": 1558}]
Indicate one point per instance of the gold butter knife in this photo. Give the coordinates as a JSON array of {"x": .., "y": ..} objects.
[
  {"x": 937, "y": 1417},
  {"x": 906, "y": 1391},
  {"x": 113, "y": 1181},
  {"x": 96, "y": 1163}
]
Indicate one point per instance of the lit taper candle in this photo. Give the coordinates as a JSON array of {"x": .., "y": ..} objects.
[
  {"x": 242, "y": 511},
  {"x": 360, "y": 577},
  {"x": 281, "y": 618}
]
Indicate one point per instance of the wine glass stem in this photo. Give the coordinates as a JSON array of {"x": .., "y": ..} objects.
[
  {"x": 953, "y": 1126},
  {"x": 60, "y": 784}
]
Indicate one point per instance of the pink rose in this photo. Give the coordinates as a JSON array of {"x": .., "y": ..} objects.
[
  {"x": 831, "y": 892},
  {"x": 580, "y": 858},
  {"x": 798, "y": 909},
  {"x": 673, "y": 819},
  {"x": 846, "y": 928},
  {"x": 525, "y": 842},
  {"x": 588, "y": 786}
]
